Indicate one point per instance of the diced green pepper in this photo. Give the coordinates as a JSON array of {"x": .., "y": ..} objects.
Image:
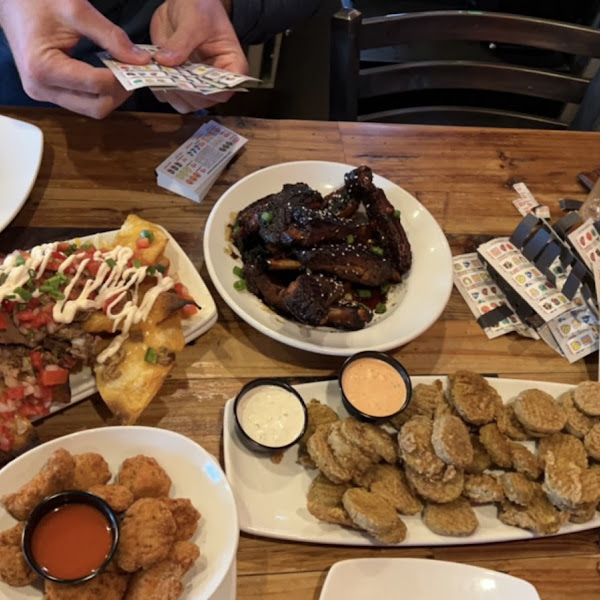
[{"x": 151, "y": 356}]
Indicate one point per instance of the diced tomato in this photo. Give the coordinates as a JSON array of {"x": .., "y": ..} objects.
[
  {"x": 3, "y": 321},
  {"x": 6, "y": 439},
  {"x": 28, "y": 410},
  {"x": 182, "y": 291},
  {"x": 58, "y": 255},
  {"x": 36, "y": 360},
  {"x": 64, "y": 247},
  {"x": 107, "y": 303},
  {"x": 26, "y": 316},
  {"x": 189, "y": 310},
  {"x": 34, "y": 303},
  {"x": 14, "y": 393},
  {"x": 54, "y": 376},
  {"x": 45, "y": 395},
  {"x": 143, "y": 243},
  {"x": 8, "y": 305},
  {"x": 53, "y": 265},
  {"x": 93, "y": 266}
]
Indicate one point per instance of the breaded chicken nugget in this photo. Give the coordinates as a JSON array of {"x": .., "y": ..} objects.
[
  {"x": 324, "y": 501},
  {"x": 591, "y": 442},
  {"x": 524, "y": 461},
  {"x": 371, "y": 440},
  {"x": 517, "y": 488},
  {"x": 349, "y": 455},
  {"x": 318, "y": 414},
  {"x": 451, "y": 440},
  {"x": 565, "y": 448},
  {"x": 390, "y": 482},
  {"x": 475, "y": 400},
  {"x": 184, "y": 553},
  {"x": 321, "y": 454},
  {"x": 425, "y": 400},
  {"x": 416, "y": 448},
  {"x": 90, "y": 469},
  {"x": 508, "y": 424},
  {"x": 483, "y": 489},
  {"x": 456, "y": 518},
  {"x": 147, "y": 534},
  {"x": 442, "y": 488},
  {"x": 117, "y": 496},
  {"x": 539, "y": 516},
  {"x": 496, "y": 444},
  {"x": 185, "y": 515},
  {"x": 144, "y": 477},
  {"x": 578, "y": 423},
  {"x": 56, "y": 476},
  {"x": 587, "y": 398},
  {"x": 538, "y": 412},
  {"x": 374, "y": 514},
  {"x": 106, "y": 586},
  {"x": 481, "y": 459},
  {"x": 14, "y": 569}
]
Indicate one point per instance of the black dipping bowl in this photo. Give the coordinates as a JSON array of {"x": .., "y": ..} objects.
[
  {"x": 355, "y": 412},
  {"x": 49, "y": 504},
  {"x": 249, "y": 441}
]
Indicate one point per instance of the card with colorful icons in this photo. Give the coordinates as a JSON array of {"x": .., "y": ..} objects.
[
  {"x": 193, "y": 168},
  {"x": 576, "y": 333},
  {"x": 586, "y": 241}
]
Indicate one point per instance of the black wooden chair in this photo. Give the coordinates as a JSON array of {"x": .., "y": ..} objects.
[{"x": 356, "y": 88}]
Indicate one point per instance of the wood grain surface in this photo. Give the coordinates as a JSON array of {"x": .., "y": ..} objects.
[{"x": 94, "y": 173}]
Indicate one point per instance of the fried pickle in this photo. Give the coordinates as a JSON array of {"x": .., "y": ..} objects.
[
  {"x": 456, "y": 518},
  {"x": 578, "y": 423},
  {"x": 442, "y": 488},
  {"x": 517, "y": 488},
  {"x": 425, "y": 400},
  {"x": 475, "y": 400},
  {"x": 538, "y": 412},
  {"x": 524, "y": 461},
  {"x": 591, "y": 442},
  {"x": 587, "y": 398},
  {"x": 416, "y": 448},
  {"x": 565, "y": 448},
  {"x": 508, "y": 424},
  {"x": 318, "y": 414},
  {"x": 390, "y": 482},
  {"x": 324, "y": 501},
  {"x": 483, "y": 489},
  {"x": 496, "y": 444},
  {"x": 481, "y": 459},
  {"x": 373, "y": 441},
  {"x": 451, "y": 440},
  {"x": 322, "y": 455}
]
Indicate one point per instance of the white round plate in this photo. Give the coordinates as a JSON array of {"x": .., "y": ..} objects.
[
  {"x": 414, "y": 305},
  {"x": 195, "y": 475}
]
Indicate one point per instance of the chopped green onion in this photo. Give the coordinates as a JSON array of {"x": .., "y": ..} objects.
[
  {"x": 235, "y": 229},
  {"x": 151, "y": 356},
  {"x": 32, "y": 273},
  {"x": 350, "y": 239},
  {"x": 3, "y": 278},
  {"x": 57, "y": 295},
  {"x": 20, "y": 260},
  {"x": 161, "y": 269},
  {"x": 111, "y": 262},
  {"x": 137, "y": 263},
  {"x": 9, "y": 297},
  {"x": 87, "y": 246},
  {"x": 23, "y": 293},
  {"x": 238, "y": 271},
  {"x": 239, "y": 285},
  {"x": 396, "y": 214},
  {"x": 29, "y": 285},
  {"x": 146, "y": 233},
  {"x": 363, "y": 293},
  {"x": 151, "y": 271},
  {"x": 267, "y": 217},
  {"x": 384, "y": 287},
  {"x": 376, "y": 250},
  {"x": 380, "y": 308}
]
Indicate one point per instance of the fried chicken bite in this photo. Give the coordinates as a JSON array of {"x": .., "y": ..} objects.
[
  {"x": 456, "y": 518},
  {"x": 90, "y": 469},
  {"x": 147, "y": 534},
  {"x": 56, "y": 476},
  {"x": 14, "y": 569},
  {"x": 117, "y": 496},
  {"x": 185, "y": 515},
  {"x": 324, "y": 501},
  {"x": 106, "y": 586},
  {"x": 144, "y": 477}
]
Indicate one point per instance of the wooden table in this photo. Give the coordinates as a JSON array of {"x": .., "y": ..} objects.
[{"x": 94, "y": 173}]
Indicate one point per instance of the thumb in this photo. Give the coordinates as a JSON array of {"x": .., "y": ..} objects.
[
  {"x": 92, "y": 24},
  {"x": 178, "y": 47}
]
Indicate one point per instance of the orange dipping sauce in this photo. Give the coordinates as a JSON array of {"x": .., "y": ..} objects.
[{"x": 72, "y": 541}]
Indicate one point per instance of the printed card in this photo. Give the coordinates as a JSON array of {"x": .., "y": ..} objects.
[{"x": 586, "y": 241}]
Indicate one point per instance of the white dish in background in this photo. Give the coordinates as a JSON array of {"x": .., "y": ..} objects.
[
  {"x": 414, "y": 305},
  {"x": 420, "y": 579},
  {"x": 195, "y": 475},
  {"x": 254, "y": 478},
  {"x": 21, "y": 146}
]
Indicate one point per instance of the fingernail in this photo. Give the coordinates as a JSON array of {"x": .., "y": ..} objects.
[
  {"x": 138, "y": 51},
  {"x": 167, "y": 54}
]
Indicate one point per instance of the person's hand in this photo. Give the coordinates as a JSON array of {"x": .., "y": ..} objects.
[
  {"x": 201, "y": 31},
  {"x": 42, "y": 34}
]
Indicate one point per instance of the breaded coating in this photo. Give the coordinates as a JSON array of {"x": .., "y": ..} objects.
[
  {"x": 324, "y": 501},
  {"x": 371, "y": 440},
  {"x": 350, "y": 456},
  {"x": 162, "y": 581},
  {"x": 56, "y": 476},
  {"x": 509, "y": 425},
  {"x": 483, "y": 489},
  {"x": 578, "y": 423},
  {"x": 582, "y": 515},
  {"x": 416, "y": 448},
  {"x": 318, "y": 414},
  {"x": 144, "y": 477},
  {"x": 106, "y": 586},
  {"x": 587, "y": 398},
  {"x": 481, "y": 459},
  {"x": 442, "y": 488},
  {"x": 475, "y": 400},
  {"x": 117, "y": 496},
  {"x": 147, "y": 534},
  {"x": 456, "y": 518},
  {"x": 591, "y": 442},
  {"x": 374, "y": 514},
  {"x": 496, "y": 444},
  {"x": 425, "y": 400},
  {"x": 90, "y": 469},
  {"x": 14, "y": 569},
  {"x": 322, "y": 455},
  {"x": 565, "y": 447},
  {"x": 539, "y": 516},
  {"x": 538, "y": 412},
  {"x": 390, "y": 482},
  {"x": 185, "y": 515},
  {"x": 525, "y": 461},
  {"x": 451, "y": 440},
  {"x": 517, "y": 488}
]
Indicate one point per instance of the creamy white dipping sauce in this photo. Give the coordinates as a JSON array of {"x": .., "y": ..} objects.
[{"x": 271, "y": 415}]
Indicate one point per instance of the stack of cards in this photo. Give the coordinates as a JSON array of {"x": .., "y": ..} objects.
[
  {"x": 189, "y": 77},
  {"x": 193, "y": 168}
]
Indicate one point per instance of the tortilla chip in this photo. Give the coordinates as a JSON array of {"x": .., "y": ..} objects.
[{"x": 131, "y": 232}]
